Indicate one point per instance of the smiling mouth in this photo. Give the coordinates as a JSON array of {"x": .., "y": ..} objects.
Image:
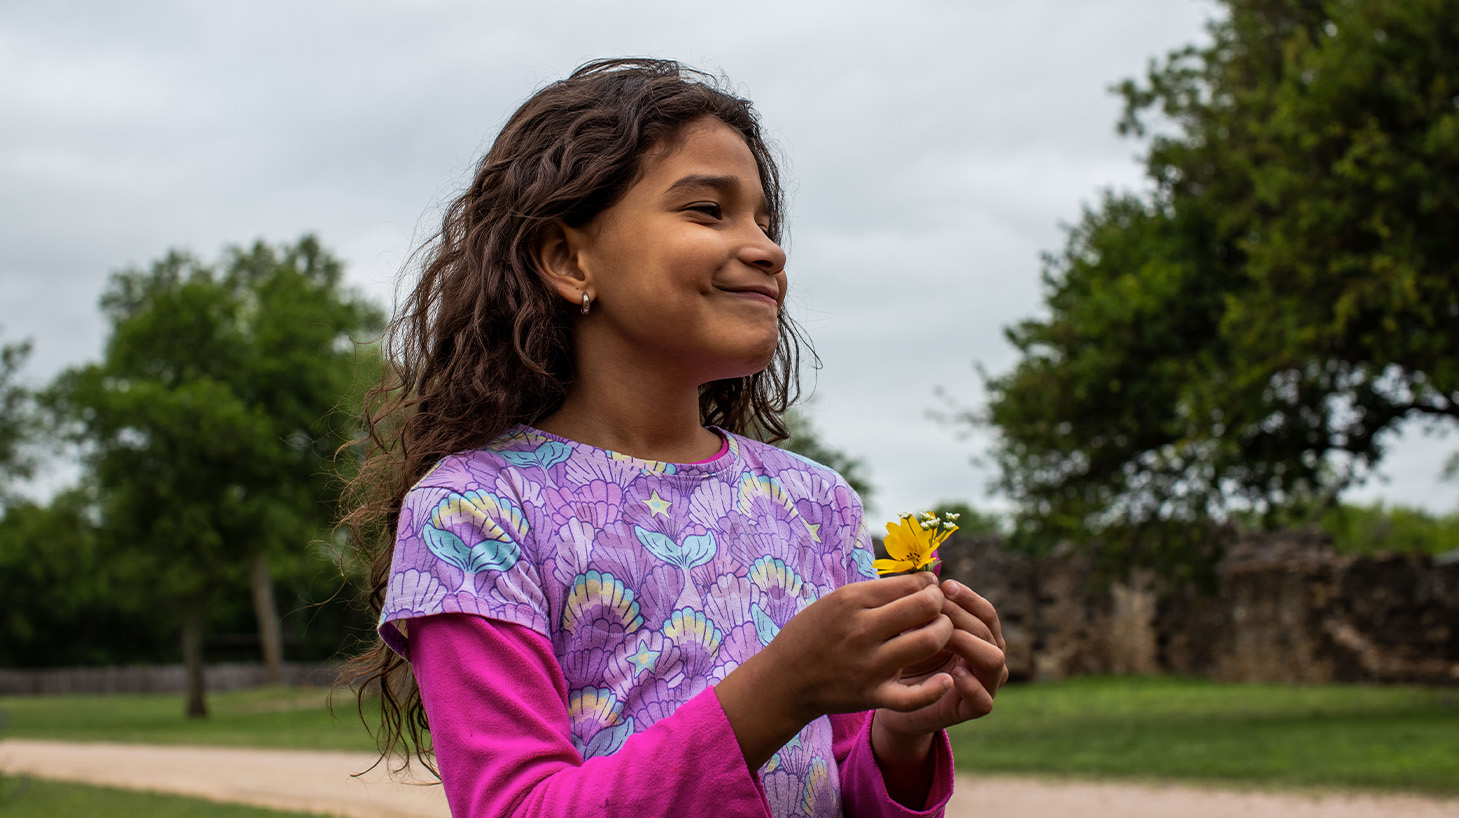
[{"x": 757, "y": 294}]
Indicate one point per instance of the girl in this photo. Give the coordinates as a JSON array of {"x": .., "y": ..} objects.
[{"x": 611, "y": 602}]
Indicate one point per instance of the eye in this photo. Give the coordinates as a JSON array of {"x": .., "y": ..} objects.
[{"x": 710, "y": 209}]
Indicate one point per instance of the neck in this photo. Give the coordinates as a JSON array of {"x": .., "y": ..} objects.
[{"x": 636, "y": 411}]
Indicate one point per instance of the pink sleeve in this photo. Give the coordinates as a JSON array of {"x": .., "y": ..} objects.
[
  {"x": 497, "y": 705},
  {"x": 864, "y": 791}
]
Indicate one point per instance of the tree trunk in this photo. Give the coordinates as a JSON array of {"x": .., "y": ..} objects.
[
  {"x": 192, "y": 660},
  {"x": 270, "y": 635}
]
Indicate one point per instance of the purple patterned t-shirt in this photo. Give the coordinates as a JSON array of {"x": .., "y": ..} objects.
[{"x": 652, "y": 580}]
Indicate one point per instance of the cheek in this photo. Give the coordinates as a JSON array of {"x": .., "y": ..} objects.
[{"x": 687, "y": 271}]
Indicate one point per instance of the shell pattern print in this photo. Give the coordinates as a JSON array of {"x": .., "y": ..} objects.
[{"x": 652, "y": 580}]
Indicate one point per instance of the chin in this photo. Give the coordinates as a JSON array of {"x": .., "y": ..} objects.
[
  {"x": 761, "y": 362},
  {"x": 746, "y": 366}
]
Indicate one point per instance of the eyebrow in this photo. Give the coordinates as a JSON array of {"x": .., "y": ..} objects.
[{"x": 724, "y": 183}]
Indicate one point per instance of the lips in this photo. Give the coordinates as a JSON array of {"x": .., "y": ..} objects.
[{"x": 767, "y": 290}]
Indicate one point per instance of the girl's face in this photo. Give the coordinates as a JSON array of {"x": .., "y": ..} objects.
[{"x": 683, "y": 275}]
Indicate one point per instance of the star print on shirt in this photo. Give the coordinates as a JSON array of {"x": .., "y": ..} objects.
[
  {"x": 642, "y": 659},
  {"x": 657, "y": 505}
]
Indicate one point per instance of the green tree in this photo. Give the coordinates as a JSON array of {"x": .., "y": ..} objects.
[
  {"x": 17, "y": 420},
  {"x": 1378, "y": 528},
  {"x": 210, "y": 425},
  {"x": 62, "y": 604},
  {"x": 1243, "y": 335}
]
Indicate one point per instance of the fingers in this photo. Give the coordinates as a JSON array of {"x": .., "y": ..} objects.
[
  {"x": 911, "y": 611},
  {"x": 976, "y": 636},
  {"x": 916, "y": 645},
  {"x": 875, "y": 593},
  {"x": 975, "y": 615},
  {"x": 976, "y": 696},
  {"x": 953, "y": 696},
  {"x": 984, "y": 659},
  {"x": 904, "y": 698},
  {"x": 965, "y": 621},
  {"x": 912, "y": 605},
  {"x": 981, "y": 609}
]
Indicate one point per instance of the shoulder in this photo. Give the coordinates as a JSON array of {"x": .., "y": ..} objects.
[
  {"x": 755, "y": 452},
  {"x": 834, "y": 524},
  {"x": 773, "y": 461},
  {"x": 481, "y": 467}
]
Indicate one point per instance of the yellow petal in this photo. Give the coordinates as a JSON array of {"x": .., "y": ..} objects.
[
  {"x": 924, "y": 538},
  {"x": 901, "y": 542},
  {"x": 884, "y": 567}
]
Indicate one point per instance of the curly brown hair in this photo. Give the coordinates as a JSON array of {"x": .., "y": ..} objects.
[{"x": 482, "y": 342}]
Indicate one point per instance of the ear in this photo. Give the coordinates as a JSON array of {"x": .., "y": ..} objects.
[{"x": 557, "y": 256}]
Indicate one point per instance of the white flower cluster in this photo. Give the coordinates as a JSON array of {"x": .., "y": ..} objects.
[{"x": 930, "y": 521}]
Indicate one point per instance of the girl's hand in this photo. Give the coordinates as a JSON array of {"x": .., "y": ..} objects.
[
  {"x": 973, "y": 658},
  {"x": 847, "y": 651},
  {"x": 901, "y": 741},
  {"x": 843, "y": 653}
]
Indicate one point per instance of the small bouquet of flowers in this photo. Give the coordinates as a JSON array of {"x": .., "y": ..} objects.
[{"x": 912, "y": 542}]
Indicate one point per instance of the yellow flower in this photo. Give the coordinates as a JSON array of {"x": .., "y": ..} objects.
[{"x": 913, "y": 543}]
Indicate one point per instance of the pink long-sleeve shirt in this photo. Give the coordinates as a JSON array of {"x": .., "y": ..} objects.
[{"x": 497, "y": 702}]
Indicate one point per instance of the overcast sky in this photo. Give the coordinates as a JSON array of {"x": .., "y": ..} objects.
[{"x": 933, "y": 151}]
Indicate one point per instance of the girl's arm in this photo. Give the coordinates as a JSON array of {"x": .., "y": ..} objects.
[
  {"x": 496, "y": 701},
  {"x": 870, "y": 789},
  {"x": 497, "y": 705}
]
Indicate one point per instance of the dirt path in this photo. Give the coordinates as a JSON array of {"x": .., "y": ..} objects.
[
  {"x": 321, "y": 782},
  {"x": 306, "y": 781}
]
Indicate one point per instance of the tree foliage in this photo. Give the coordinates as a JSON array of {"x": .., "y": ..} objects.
[
  {"x": 54, "y": 581},
  {"x": 210, "y": 425},
  {"x": 68, "y": 602},
  {"x": 1245, "y": 333},
  {"x": 17, "y": 420},
  {"x": 1377, "y": 528}
]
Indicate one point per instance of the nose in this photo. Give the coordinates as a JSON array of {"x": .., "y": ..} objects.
[{"x": 761, "y": 251}]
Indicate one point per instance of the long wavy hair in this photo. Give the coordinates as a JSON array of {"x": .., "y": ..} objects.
[{"x": 482, "y": 342}]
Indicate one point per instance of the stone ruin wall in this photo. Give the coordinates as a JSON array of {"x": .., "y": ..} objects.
[{"x": 1286, "y": 609}]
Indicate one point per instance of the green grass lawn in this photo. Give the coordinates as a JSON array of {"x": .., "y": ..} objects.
[
  {"x": 1376, "y": 738},
  {"x": 265, "y": 717},
  {"x": 38, "y": 798}
]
